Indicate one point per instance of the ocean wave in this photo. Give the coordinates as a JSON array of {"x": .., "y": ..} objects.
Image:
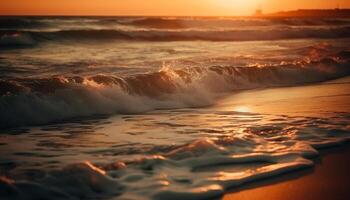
[
  {"x": 16, "y": 40},
  {"x": 160, "y": 23},
  {"x": 30, "y": 101},
  {"x": 20, "y": 22},
  {"x": 207, "y": 22},
  {"x": 163, "y": 22},
  {"x": 184, "y": 35},
  {"x": 230, "y": 35}
]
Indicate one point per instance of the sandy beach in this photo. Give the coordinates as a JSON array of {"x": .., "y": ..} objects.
[
  {"x": 314, "y": 100},
  {"x": 328, "y": 180}
]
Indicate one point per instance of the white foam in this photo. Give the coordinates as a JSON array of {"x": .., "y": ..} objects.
[
  {"x": 201, "y": 169},
  {"x": 57, "y": 99}
]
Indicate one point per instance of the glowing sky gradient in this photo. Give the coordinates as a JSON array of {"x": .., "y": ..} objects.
[{"x": 158, "y": 7}]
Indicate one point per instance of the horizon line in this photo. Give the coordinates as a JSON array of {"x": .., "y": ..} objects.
[{"x": 270, "y": 14}]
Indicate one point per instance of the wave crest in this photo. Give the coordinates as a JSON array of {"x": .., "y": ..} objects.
[
  {"x": 183, "y": 35},
  {"x": 42, "y": 100}
]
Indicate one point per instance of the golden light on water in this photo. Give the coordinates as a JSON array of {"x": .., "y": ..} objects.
[
  {"x": 242, "y": 109},
  {"x": 98, "y": 170}
]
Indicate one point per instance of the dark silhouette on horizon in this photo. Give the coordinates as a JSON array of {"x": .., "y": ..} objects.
[{"x": 334, "y": 13}]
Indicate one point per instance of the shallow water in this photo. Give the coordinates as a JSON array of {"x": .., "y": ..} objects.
[
  {"x": 181, "y": 153},
  {"x": 174, "y": 117}
]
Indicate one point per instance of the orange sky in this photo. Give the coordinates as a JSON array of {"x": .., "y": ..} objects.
[{"x": 157, "y": 7}]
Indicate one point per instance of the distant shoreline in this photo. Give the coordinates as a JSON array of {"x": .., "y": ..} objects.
[{"x": 337, "y": 13}]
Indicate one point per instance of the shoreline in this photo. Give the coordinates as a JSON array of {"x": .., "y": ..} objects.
[{"x": 327, "y": 180}]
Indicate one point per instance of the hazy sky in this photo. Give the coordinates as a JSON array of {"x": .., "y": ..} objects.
[{"x": 157, "y": 7}]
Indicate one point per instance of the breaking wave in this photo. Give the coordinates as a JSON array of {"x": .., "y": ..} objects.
[{"x": 31, "y": 101}]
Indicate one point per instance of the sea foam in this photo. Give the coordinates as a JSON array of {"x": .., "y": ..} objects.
[
  {"x": 44, "y": 100},
  {"x": 204, "y": 168}
]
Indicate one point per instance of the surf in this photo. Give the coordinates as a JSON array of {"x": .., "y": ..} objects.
[{"x": 32, "y": 101}]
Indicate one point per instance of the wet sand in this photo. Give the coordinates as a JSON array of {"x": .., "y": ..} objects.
[
  {"x": 314, "y": 100},
  {"x": 328, "y": 180}
]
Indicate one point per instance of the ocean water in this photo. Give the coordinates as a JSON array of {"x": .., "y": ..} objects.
[{"x": 166, "y": 108}]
